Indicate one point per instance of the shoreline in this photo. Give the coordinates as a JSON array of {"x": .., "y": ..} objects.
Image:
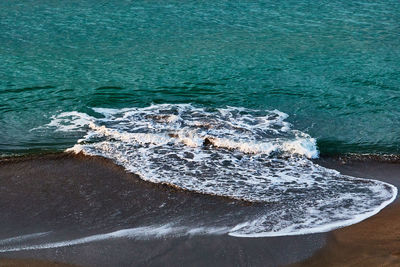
[
  {"x": 372, "y": 242},
  {"x": 106, "y": 187}
]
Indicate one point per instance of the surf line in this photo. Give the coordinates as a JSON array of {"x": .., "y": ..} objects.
[
  {"x": 23, "y": 238},
  {"x": 131, "y": 233}
]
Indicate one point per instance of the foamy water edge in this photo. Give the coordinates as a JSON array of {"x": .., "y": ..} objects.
[{"x": 191, "y": 138}]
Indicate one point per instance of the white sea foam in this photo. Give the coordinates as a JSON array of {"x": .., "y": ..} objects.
[
  {"x": 235, "y": 152},
  {"x": 145, "y": 232},
  {"x": 21, "y": 238}
]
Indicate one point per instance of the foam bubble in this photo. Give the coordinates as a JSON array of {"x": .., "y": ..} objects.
[{"x": 240, "y": 153}]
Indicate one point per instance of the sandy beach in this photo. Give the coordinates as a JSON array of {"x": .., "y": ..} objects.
[
  {"x": 199, "y": 133},
  {"x": 373, "y": 242},
  {"x": 64, "y": 197}
]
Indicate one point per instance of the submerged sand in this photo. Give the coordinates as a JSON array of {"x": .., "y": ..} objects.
[{"x": 73, "y": 196}]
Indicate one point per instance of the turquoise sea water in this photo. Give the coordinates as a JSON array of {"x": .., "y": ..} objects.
[
  {"x": 332, "y": 66},
  {"x": 228, "y": 98}
]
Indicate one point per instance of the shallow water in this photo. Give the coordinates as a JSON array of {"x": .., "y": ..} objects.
[
  {"x": 267, "y": 87},
  {"x": 244, "y": 154},
  {"x": 332, "y": 66}
]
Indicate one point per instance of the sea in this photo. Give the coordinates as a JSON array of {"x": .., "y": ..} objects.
[{"x": 227, "y": 98}]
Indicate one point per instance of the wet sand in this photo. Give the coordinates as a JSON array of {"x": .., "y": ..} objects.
[
  {"x": 373, "y": 242},
  {"x": 77, "y": 196},
  {"x": 32, "y": 263},
  {"x": 72, "y": 196}
]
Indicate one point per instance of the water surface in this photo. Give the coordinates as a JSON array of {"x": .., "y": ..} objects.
[{"x": 332, "y": 66}]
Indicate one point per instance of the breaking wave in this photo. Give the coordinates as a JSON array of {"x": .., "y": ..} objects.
[{"x": 253, "y": 155}]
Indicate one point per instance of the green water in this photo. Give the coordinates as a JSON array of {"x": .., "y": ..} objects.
[{"x": 333, "y": 66}]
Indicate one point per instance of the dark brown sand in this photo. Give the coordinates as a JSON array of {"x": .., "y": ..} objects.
[
  {"x": 373, "y": 242},
  {"x": 76, "y": 196},
  {"x": 31, "y": 263}
]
